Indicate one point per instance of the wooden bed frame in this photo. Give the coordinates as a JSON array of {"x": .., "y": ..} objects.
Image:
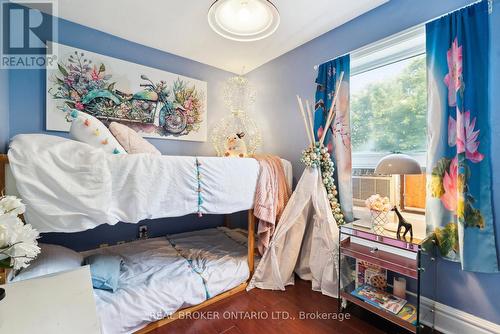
[{"x": 4, "y": 160}]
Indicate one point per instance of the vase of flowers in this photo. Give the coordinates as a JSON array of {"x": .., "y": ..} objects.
[
  {"x": 379, "y": 207},
  {"x": 18, "y": 241}
]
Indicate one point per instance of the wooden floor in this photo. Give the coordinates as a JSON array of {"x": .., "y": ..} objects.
[{"x": 278, "y": 312}]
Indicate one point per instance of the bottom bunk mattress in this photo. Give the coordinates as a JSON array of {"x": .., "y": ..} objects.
[{"x": 162, "y": 275}]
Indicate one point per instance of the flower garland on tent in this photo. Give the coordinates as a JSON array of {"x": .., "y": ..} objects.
[{"x": 317, "y": 156}]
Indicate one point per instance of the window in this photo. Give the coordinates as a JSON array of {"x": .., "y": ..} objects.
[
  {"x": 389, "y": 114},
  {"x": 389, "y": 108}
]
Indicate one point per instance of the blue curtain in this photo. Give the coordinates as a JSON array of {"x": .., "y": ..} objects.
[
  {"x": 459, "y": 206},
  {"x": 338, "y": 137}
]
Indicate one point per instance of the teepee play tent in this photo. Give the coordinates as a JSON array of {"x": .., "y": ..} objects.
[{"x": 306, "y": 238}]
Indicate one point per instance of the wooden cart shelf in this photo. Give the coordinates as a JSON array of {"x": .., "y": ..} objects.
[
  {"x": 384, "y": 314},
  {"x": 399, "y": 264}
]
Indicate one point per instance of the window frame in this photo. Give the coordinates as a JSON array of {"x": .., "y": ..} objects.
[
  {"x": 360, "y": 62},
  {"x": 366, "y": 59}
]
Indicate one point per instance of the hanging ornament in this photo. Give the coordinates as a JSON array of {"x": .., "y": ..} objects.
[{"x": 239, "y": 95}]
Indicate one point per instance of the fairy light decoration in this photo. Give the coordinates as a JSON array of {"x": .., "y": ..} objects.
[{"x": 238, "y": 96}]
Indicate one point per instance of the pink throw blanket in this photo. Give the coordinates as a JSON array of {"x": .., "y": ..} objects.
[{"x": 271, "y": 196}]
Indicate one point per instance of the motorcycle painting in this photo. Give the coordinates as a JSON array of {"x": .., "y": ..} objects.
[{"x": 171, "y": 108}]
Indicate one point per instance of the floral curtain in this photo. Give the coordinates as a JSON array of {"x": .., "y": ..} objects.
[
  {"x": 338, "y": 137},
  {"x": 459, "y": 206}
]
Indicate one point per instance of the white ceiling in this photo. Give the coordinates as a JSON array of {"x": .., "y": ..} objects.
[{"x": 180, "y": 27}]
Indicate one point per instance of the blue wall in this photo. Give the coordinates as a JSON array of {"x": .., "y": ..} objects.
[
  {"x": 292, "y": 73},
  {"x": 26, "y": 93}
]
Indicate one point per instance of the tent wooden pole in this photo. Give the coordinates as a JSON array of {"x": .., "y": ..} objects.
[
  {"x": 311, "y": 123},
  {"x": 310, "y": 138}
]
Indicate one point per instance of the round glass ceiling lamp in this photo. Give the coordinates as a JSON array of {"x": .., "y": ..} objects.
[{"x": 243, "y": 20}]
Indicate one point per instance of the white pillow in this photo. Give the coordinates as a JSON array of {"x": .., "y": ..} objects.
[
  {"x": 88, "y": 129},
  {"x": 52, "y": 259}
]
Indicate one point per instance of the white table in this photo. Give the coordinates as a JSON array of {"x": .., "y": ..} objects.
[{"x": 61, "y": 303}]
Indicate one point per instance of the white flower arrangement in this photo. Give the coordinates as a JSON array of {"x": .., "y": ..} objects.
[
  {"x": 378, "y": 203},
  {"x": 18, "y": 241}
]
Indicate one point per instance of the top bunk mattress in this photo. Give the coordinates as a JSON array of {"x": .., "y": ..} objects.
[{"x": 70, "y": 186}]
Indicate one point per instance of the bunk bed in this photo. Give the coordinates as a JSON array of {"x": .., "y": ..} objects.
[{"x": 32, "y": 151}]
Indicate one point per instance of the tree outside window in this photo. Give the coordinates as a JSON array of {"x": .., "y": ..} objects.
[
  {"x": 389, "y": 114},
  {"x": 389, "y": 108}
]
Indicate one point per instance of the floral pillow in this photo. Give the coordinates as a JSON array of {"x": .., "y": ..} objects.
[
  {"x": 131, "y": 141},
  {"x": 88, "y": 129}
]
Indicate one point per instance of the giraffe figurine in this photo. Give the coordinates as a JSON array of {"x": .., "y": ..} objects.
[{"x": 402, "y": 224}]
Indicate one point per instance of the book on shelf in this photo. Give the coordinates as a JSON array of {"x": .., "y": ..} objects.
[
  {"x": 369, "y": 273},
  {"x": 379, "y": 298},
  {"x": 409, "y": 313}
]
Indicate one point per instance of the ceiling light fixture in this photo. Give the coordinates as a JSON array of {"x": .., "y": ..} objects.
[{"x": 243, "y": 20}]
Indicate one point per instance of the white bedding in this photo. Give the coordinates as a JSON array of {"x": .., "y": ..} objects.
[
  {"x": 156, "y": 280},
  {"x": 70, "y": 186}
]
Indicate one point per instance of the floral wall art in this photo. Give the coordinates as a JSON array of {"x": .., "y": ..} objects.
[{"x": 155, "y": 103}]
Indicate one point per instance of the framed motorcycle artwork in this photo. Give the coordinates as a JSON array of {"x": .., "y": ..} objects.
[{"x": 155, "y": 103}]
